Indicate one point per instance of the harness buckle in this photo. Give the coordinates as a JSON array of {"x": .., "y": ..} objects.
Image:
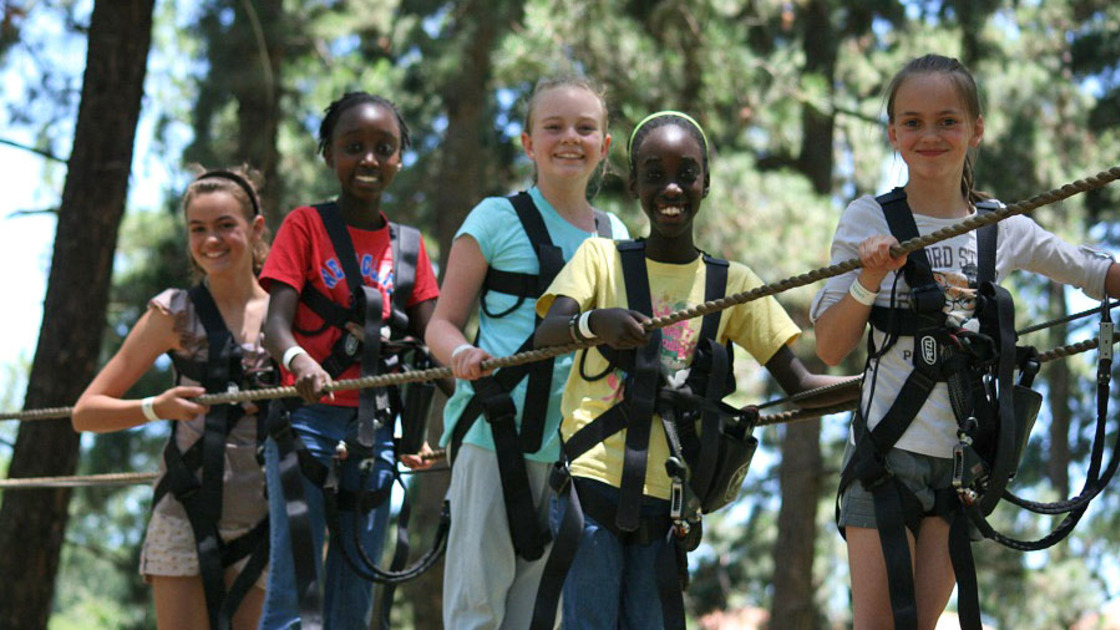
[
  {"x": 969, "y": 470},
  {"x": 330, "y": 483},
  {"x": 559, "y": 477},
  {"x": 678, "y": 471},
  {"x": 351, "y": 345}
]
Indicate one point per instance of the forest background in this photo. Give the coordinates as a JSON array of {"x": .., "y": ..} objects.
[{"x": 105, "y": 104}]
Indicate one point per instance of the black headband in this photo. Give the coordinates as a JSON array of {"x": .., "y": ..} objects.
[{"x": 237, "y": 179}]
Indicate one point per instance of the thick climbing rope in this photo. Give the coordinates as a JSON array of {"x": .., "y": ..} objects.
[
  {"x": 120, "y": 479},
  {"x": 976, "y": 221}
]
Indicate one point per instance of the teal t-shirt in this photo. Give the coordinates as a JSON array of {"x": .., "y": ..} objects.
[{"x": 493, "y": 223}]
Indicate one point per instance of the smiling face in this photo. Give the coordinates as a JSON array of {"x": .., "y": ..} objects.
[
  {"x": 364, "y": 152},
  {"x": 567, "y": 135},
  {"x": 931, "y": 127},
  {"x": 220, "y": 235},
  {"x": 669, "y": 179}
]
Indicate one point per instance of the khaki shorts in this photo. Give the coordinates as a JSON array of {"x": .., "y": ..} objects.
[{"x": 170, "y": 550}]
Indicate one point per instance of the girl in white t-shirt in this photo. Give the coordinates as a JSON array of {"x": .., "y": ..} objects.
[{"x": 934, "y": 122}]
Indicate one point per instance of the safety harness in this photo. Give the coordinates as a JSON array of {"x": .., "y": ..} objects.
[
  {"x": 710, "y": 446},
  {"x": 994, "y": 415},
  {"x": 376, "y": 407},
  {"x": 492, "y": 394},
  {"x": 194, "y": 477}
]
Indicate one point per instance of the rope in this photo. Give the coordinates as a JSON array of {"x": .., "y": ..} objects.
[
  {"x": 108, "y": 479},
  {"x": 812, "y": 413},
  {"x": 976, "y": 221},
  {"x": 128, "y": 479}
]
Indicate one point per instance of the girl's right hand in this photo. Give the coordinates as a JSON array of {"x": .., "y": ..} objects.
[
  {"x": 312, "y": 380},
  {"x": 619, "y": 328},
  {"x": 467, "y": 365},
  {"x": 176, "y": 403},
  {"x": 875, "y": 256}
]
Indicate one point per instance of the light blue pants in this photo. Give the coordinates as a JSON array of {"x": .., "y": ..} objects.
[{"x": 347, "y": 597}]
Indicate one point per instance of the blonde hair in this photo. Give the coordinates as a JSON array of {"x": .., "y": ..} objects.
[
  {"x": 240, "y": 182},
  {"x": 584, "y": 83}
]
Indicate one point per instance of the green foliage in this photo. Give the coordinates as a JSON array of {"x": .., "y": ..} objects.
[{"x": 1050, "y": 77}]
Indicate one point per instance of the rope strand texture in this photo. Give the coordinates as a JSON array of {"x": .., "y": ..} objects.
[{"x": 1099, "y": 180}]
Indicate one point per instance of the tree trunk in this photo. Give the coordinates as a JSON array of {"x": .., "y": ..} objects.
[
  {"x": 33, "y": 522},
  {"x": 257, "y": 90},
  {"x": 801, "y": 468},
  {"x": 800, "y": 477}
]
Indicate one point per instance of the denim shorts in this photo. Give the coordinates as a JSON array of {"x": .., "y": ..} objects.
[{"x": 922, "y": 474}]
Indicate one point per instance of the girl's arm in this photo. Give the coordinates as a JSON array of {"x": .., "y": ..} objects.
[
  {"x": 840, "y": 327},
  {"x": 794, "y": 378},
  {"x": 617, "y": 327},
  {"x": 466, "y": 269},
  {"x": 1112, "y": 281},
  {"x": 100, "y": 407},
  {"x": 419, "y": 318},
  {"x": 311, "y": 379}
]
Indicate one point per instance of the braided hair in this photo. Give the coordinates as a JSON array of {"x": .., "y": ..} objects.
[{"x": 350, "y": 99}]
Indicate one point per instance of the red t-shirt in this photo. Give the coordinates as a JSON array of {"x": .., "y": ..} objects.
[{"x": 302, "y": 253}]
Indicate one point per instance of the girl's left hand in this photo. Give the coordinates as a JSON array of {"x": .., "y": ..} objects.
[{"x": 418, "y": 461}]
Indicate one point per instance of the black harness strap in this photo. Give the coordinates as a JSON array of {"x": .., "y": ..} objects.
[
  {"x": 303, "y": 552},
  {"x": 202, "y": 501},
  {"x": 492, "y": 394}
]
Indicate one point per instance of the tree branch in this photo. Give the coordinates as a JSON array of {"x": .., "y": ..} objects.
[{"x": 46, "y": 154}]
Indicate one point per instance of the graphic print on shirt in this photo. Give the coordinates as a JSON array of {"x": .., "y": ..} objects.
[
  {"x": 960, "y": 289},
  {"x": 678, "y": 341},
  {"x": 332, "y": 273}
]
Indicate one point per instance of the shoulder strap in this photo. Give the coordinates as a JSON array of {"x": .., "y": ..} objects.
[
  {"x": 343, "y": 245},
  {"x": 715, "y": 287},
  {"x": 603, "y": 223},
  {"x": 221, "y": 352},
  {"x": 901, "y": 222},
  {"x": 405, "y": 241},
  {"x": 550, "y": 257},
  {"x": 641, "y": 389},
  {"x": 987, "y": 240}
]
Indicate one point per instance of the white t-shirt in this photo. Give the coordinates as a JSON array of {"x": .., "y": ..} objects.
[{"x": 1022, "y": 244}]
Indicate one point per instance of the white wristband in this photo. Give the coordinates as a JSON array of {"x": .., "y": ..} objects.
[
  {"x": 148, "y": 406},
  {"x": 585, "y": 325},
  {"x": 862, "y": 294},
  {"x": 460, "y": 349},
  {"x": 289, "y": 355}
]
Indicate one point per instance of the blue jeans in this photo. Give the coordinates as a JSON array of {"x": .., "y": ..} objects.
[
  {"x": 347, "y": 597},
  {"x": 610, "y": 585}
]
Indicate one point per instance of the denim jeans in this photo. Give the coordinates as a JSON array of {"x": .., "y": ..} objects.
[
  {"x": 610, "y": 585},
  {"x": 347, "y": 597}
]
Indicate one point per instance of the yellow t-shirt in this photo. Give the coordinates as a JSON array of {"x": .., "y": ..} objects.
[{"x": 593, "y": 278}]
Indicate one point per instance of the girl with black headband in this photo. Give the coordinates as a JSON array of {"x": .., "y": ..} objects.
[{"x": 227, "y": 245}]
